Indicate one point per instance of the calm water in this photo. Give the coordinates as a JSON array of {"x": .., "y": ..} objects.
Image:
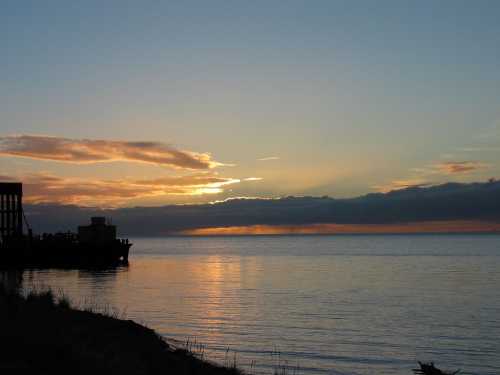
[{"x": 327, "y": 304}]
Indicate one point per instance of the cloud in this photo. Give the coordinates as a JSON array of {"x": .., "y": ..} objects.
[
  {"x": 490, "y": 133},
  {"x": 426, "y": 207},
  {"x": 450, "y": 167},
  {"x": 268, "y": 158},
  {"x": 95, "y": 151},
  {"x": 196, "y": 180},
  {"x": 401, "y": 184},
  {"x": 480, "y": 149},
  {"x": 46, "y": 188},
  {"x": 459, "y": 167},
  {"x": 427, "y": 175},
  {"x": 253, "y": 179}
]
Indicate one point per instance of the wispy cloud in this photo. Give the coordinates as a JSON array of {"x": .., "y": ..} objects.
[
  {"x": 459, "y": 167},
  {"x": 95, "y": 151},
  {"x": 253, "y": 179},
  {"x": 430, "y": 174},
  {"x": 196, "y": 180},
  {"x": 401, "y": 184},
  {"x": 490, "y": 133},
  {"x": 46, "y": 188},
  {"x": 480, "y": 149},
  {"x": 269, "y": 158}
]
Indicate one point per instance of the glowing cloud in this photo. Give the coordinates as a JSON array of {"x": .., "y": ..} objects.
[
  {"x": 458, "y": 167},
  {"x": 95, "y": 151},
  {"x": 425, "y": 176},
  {"x": 401, "y": 184},
  {"x": 196, "y": 180},
  {"x": 268, "y": 158},
  {"x": 45, "y": 188}
]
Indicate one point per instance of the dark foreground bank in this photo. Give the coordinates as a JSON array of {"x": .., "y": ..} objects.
[{"x": 41, "y": 334}]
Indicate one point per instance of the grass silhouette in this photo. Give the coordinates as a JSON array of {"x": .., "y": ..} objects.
[{"x": 41, "y": 333}]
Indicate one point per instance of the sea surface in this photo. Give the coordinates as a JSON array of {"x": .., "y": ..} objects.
[{"x": 345, "y": 304}]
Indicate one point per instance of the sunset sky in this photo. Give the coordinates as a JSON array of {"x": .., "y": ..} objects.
[{"x": 148, "y": 103}]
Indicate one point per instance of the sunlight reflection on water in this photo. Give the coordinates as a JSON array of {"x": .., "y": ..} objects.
[{"x": 327, "y": 304}]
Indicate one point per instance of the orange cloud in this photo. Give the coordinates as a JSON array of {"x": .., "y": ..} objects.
[
  {"x": 94, "y": 151},
  {"x": 401, "y": 184},
  {"x": 423, "y": 176},
  {"x": 457, "y": 167},
  {"x": 196, "y": 180},
  {"x": 44, "y": 188}
]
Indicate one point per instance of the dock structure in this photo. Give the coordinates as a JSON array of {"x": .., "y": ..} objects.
[
  {"x": 11, "y": 210},
  {"x": 95, "y": 245}
]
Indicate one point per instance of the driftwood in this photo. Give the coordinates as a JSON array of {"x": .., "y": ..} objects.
[{"x": 430, "y": 369}]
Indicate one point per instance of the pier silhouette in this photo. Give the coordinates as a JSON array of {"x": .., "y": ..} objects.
[{"x": 94, "y": 245}]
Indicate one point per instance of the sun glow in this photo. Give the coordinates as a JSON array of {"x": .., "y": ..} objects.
[{"x": 418, "y": 227}]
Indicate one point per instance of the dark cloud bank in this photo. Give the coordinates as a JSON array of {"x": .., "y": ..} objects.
[{"x": 452, "y": 201}]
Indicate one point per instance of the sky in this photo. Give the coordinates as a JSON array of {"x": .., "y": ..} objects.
[{"x": 122, "y": 103}]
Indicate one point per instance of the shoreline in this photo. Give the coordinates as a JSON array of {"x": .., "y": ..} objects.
[{"x": 43, "y": 334}]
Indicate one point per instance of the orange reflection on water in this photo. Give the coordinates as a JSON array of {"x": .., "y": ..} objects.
[{"x": 461, "y": 226}]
